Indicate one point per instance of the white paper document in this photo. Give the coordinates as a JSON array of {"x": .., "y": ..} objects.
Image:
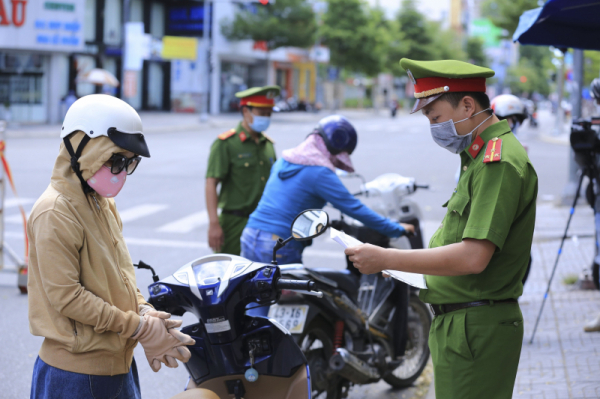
[{"x": 414, "y": 279}]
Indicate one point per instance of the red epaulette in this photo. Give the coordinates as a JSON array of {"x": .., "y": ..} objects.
[
  {"x": 493, "y": 152},
  {"x": 227, "y": 134}
]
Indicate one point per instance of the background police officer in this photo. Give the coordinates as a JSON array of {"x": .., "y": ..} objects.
[
  {"x": 478, "y": 256},
  {"x": 240, "y": 160}
]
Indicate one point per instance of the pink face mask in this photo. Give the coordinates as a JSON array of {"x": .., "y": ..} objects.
[{"x": 106, "y": 184}]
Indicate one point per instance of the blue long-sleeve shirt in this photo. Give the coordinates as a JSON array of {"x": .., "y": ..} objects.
[{"x": 294, "y": 188}]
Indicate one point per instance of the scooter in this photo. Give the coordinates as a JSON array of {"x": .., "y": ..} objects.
[
  {"x": 368, "y": 327},
  {"x": 237, "y": 355}
]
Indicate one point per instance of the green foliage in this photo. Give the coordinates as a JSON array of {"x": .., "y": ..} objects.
[
  {"x": 280, "y": 24},
  {"x": 352, "y": 33},
  {"x": 534, "y": 81},
  {"x": 591, "y": 65},
  {"x": 414, "y": 37},
  {"x": 475, "y": 51},
  {"x": 354, "y": 103},
  {"x": 505, "y": 13}
]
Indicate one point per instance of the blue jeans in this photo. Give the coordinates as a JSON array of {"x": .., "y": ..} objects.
[
  {"x": 51, "y": 383},
  {"x": 257, "y": 246}
]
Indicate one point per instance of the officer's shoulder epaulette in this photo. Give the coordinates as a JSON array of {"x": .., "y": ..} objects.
[
  {"x": 227, "y": 134},
  {"x": 269, "y": 138},
  {"x": 493, "y": 152}
]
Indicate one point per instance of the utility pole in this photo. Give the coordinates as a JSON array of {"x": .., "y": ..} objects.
[{"x": 207, "y": 48}]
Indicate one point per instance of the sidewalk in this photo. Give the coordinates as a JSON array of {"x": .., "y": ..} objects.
[
  {"x": 563, "y": 362},
  {"x": 170, "y": 122}
]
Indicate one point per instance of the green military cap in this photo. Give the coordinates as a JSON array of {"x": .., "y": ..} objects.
[
  {"x": 259, "y": 96},
  {"x": 434, "y": 78}
]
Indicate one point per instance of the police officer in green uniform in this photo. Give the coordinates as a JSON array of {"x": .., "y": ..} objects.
[
  {"x": 240, "y": 160},
  {"x": 478, "y": 256}
]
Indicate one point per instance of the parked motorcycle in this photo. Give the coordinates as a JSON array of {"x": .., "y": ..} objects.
[
  {"x": 368, "y": 327},
  {"x": 237, "y": 355}
]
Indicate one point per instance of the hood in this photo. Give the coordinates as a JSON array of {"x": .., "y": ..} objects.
[
  {"x": 289, "y": 170},
  {"x": 94, "y": 155},
  {"x": 313, "y": 152}
]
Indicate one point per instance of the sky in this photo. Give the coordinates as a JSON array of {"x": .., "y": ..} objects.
[{"x": 434, "y": 9}]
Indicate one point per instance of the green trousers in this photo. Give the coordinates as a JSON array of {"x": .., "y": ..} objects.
[
  {"x": 476, "y": 352},
  {"x": 232, "y": 226}
]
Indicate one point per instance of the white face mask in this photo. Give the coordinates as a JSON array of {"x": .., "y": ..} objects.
[{"x": 445, "y": 135}]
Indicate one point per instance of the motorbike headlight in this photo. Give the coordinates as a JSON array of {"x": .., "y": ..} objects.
[{"x": 210, "y": 273}]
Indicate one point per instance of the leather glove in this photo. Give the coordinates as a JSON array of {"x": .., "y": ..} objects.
[{"x": 158, "y": 342}]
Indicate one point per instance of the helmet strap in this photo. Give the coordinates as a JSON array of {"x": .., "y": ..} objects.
[{"x": 75, "y": 160}]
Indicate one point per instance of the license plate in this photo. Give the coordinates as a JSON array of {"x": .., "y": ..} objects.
[{"x": 292, "y": 317}]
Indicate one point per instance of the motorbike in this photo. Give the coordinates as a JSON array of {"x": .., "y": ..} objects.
[
  {"x": 367, "y": 327},
  {"x": 237, "y": 355}
]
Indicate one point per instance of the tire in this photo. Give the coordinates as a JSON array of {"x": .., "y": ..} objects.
[
  {"x": 596, "y": 275},
  {"x": 319, "y": 330},
  {"x": 417, "y": 347}
]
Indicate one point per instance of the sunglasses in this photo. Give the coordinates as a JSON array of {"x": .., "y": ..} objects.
[{"x": 120, "y": 162}]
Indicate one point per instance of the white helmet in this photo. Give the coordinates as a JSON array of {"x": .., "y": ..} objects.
[
  {"x": 102, "y": 115},
  {"x": 506, "y": 105}
]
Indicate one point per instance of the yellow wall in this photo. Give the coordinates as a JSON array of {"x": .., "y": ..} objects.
[{"x": 304, "y": 69}]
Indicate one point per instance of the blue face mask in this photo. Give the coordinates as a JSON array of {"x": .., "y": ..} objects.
[{"x": 260, "y": 123}]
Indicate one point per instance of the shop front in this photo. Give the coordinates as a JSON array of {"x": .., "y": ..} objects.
[{"x": 35, "y": 39}]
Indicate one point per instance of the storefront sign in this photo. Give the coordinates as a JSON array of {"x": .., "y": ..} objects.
[
  {"x": 42, "y": 25},
  {"x": 179, "y": 48},
  {"x": 186, "y": 19}
]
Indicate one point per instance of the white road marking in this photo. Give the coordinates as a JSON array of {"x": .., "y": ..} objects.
[
  {"x": 15, "y": 219},
  {"x": 150, "y": 242},
  {"x": 12, "y": 202},
  {"x": 186, "y": 224},
  {"x": 137, "y": 212}
]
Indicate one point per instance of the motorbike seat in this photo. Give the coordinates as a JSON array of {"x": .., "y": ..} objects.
[{"x": 346, "y": 281}]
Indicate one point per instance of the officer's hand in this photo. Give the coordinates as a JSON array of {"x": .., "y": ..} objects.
[
  {"x": 410, "y": 229},
  {"x": 216, "y": 238},
  {"x": 367, "y": 258}
]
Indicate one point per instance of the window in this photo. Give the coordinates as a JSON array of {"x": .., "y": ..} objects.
[
  {"x": 112, "y": 22},
  {"x": 89, "y": 27}
]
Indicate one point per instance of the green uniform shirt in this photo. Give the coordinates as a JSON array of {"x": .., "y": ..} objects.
[
  {"x": 243, "y": 167},
  {"x": 493, "y": 201}
]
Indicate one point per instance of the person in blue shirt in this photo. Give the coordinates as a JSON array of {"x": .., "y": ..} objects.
[{"x": 303, "y": 179}]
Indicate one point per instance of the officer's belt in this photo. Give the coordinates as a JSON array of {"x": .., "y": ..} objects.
[
  {"x": 241, "y": 214},
  {"x": 452, "y": 307}
]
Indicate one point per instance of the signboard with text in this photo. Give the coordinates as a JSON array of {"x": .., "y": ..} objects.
[
  {"x": 186, "y": 18},
  {"x": 42, "y": 25}
]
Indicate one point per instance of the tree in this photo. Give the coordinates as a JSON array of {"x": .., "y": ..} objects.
[
  {"x": 475, "y": 51},
  {"x": 416, "y": 32},
  {"x": 281, "y": 24},
  {"x": 505, "y": 14},
  {"x": 350, "y": 30}
]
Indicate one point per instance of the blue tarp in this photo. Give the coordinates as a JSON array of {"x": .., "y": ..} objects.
[{"x": 562, "y": 23}]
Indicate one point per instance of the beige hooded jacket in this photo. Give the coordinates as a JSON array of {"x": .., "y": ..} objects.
[{"x": 83, "y": 296}]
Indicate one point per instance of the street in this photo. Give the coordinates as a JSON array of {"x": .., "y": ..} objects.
[{"x": 163, "y": 210}]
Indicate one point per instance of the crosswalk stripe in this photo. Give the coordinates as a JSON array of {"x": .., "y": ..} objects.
[
  {"x": 140, "y": 211},
  {"x": 15, "y": 219},
  {"x": 186, "y": 224},
  {"x": 12, "y": 202}
]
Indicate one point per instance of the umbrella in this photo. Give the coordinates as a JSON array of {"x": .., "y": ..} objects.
[
  {"x": 98, "y": 76},
  {"x": 561, "y": 23}
]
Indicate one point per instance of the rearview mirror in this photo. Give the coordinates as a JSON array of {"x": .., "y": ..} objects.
[{"x": 310, "y": 224}]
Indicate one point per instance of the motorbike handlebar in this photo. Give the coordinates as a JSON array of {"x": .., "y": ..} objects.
[
  {"x": 296, "y": 285},
  {"x": 423, "y": 186}
]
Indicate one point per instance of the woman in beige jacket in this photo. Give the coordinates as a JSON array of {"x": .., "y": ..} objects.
[{"x": 83, "y": 298}]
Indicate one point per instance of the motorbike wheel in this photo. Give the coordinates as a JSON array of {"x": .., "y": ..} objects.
[
  {"x": 417, "y": 348},
  {"x": 317, "y": 345}
]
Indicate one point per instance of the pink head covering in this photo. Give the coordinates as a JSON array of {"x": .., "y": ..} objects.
[{"x": 313, "y": 152}]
